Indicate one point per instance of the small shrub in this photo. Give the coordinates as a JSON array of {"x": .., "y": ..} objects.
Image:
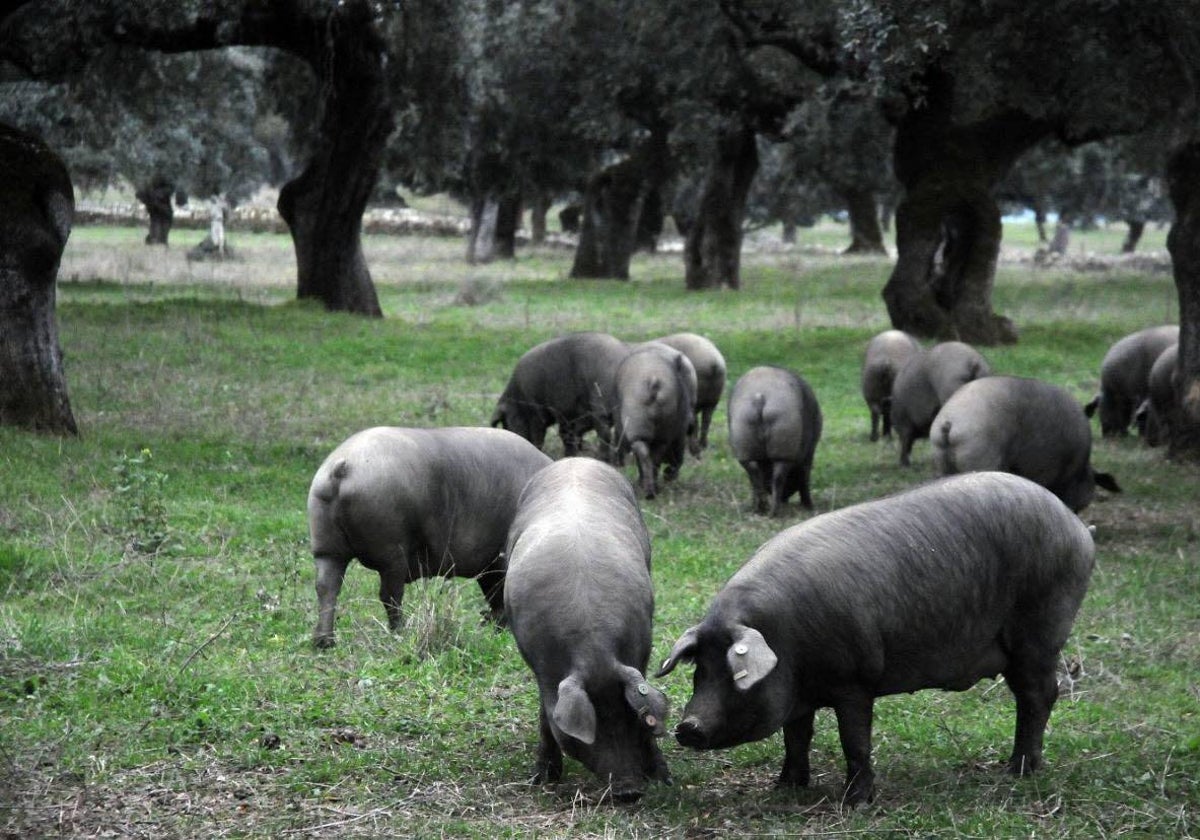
[{"x": 140, "y": 497}]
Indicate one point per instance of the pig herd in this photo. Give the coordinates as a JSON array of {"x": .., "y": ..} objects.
[{"x": 967, "y": 577}]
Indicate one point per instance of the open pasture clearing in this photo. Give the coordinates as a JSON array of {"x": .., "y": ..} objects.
[{"x": 156, "y": 598}]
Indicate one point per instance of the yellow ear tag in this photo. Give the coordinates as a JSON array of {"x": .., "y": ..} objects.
[{"x": 740, "y": 674}]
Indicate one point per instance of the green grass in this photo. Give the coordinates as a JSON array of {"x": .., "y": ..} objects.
[{"x": 156, "y": 597}]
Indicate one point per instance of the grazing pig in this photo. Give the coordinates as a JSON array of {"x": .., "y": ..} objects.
[
  {"x": 886, "y": 353},
  {"x": 580, "y": 604},
  {"x": 413, "y": 503},
  {"x": 710, "y": 373},
  {"x": 938, "y": 587},
  {"x": 1124, "y": 372},
  {"x": 654, "y": 411},
  {"x": 925, "y": 382},
  {"x": 566, "y": 381},
  {"x": 1023, "y": 426},
  {"x": 774, "y": 427},
  {"x": 1156, "y": 414}
]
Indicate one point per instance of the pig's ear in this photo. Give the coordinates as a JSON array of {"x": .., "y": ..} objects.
[
  {"x": 749, "y": 657},
  {"x": 685, "y": 648},
  {"x": 573, "y": 712},
  {"x": 648, "y": 702}
]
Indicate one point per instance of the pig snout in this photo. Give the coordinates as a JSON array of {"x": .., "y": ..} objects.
[
  {"x": 626, "y": 789},
  {"x": 690, "y": 732}
]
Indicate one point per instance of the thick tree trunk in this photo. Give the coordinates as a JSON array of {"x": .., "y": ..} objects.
[
  {"x": 323, "y": 207},
  {"x": 569, "y": 218},
  {"x": 866, "y": 235},
  {"x": 481, "y": 238},
  {"x": 1183, "y": 243},
  {"x": 1062, "y": 238},
  {"x": 612, "y": 203},
  {"x": 612, "y": 206},
  {"x": 36, "y": 208},
  {"x": 508, "y": 219},
  {"x": 156, "y": 197},
  {"x": 948, "y": 224},
  {"x": 713, "y": 251},
  {"x": 1133, "y": 236},
  {"x": 650, "y": 221},
  {"x": 493, "y": 233},
  {"x": 539, "y": 208}
]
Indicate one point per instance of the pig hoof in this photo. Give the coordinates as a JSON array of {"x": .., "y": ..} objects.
[
  {"x": 545, "y": 774},
  {"x": 858, "y": 795},
  {"x": 792, "y": 780}
]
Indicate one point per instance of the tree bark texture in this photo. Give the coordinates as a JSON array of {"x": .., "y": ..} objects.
[
  {"x": 1183, "y": 243},
  {"x": 156, "y": 197},
  {"x": 713, "y": 251},
  {"x": 650, "y": 222},
  {"x": 866, "y": 234},
  {"x": 508, "y": 219},
  {"x": 36, "y": 209},
  {"x": 539, "y": 207},
  {"x": 323, "y": 206},
  {"x": 948, "y": 224},
  {"x": 612, "y": 206},
  {"x": 493, "y": 233}
]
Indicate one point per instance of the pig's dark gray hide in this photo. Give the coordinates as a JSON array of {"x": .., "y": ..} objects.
[
  {"x": 939, "y": 587},
  {"x": 886, "y": 353},
  {"x": 412, "y": 503},
  {"x": 1023, "y": 426},
  {"x": 925, "y": 382},
  {"x": 566, "y": 381},
  {"x": 1124, "y": 373},
  {"x": 580, "y": 604},
  {"x": 774, "y": 428},
  {"x": 655, "y": 411},
  {"x": 1155, "y": 417},
  {"x": 710, "y": 375}
]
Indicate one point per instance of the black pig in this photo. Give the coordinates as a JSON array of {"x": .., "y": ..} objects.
[
  {"x": 938, "y": 587},
  {"x": 580, "y": 604},
  {"x": 411, "y": 503}
]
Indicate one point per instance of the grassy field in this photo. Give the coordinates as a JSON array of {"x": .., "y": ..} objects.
[{"x": 156, "y": 600}]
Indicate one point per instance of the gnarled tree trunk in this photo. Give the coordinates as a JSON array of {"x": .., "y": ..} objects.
[
  {"x": 324, "y": 206},
  {"x": 493, "y": 233},
  {"x": 866, "y": 235},
  {"x": 948, "y": 224},
  {"x": 612, "y": 206},
  {"x": 156, "y": 197},
  {"x": 36, "y": 209},
  {"x": 612, "y": 202},
  {"x": 1183, "y": 243},
  {"x": 713, "y": 252}
]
